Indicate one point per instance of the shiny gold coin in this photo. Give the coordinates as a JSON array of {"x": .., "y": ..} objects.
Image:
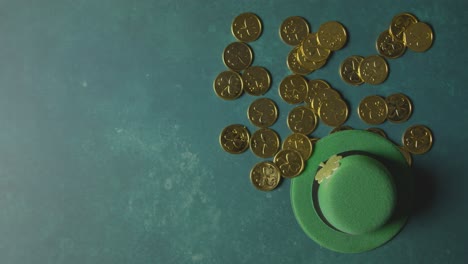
[
  {"x": 302, "y": 120},
  {"x": 228, "y": 85},
  {"x": 246, "y": 27},
  {"x": 333, "y": 112},
  {"x": 418, "y": 37},
  {"x": 349, "y": 70},
  {"x": 417, "y": 139},
  {"x": 289, "y": 162},
  {"x": 299, "y": 142},
  {"x": 373, "y": 70},
  {"x": 312, "y": 49},
  {"x": 400, "y": 23},
  {"x": 315, "y": 86},
  {"x": 265, "y": 176},
  {"x": 332, "y": 35},
  {"x": 294, "y": 65},
  {"x": 308, "y": 64},
  {"x": 237, "y": 56},
  {"x": 264, "y": 143},
  {"x": 314, "y": 140},
  {"x": 293, "y": 89},
  {"x": 373, "y": 110},
  {"x": 293, "y": 30},
  {"x": 399, "y": 108},
  {"x": 322, "y": 96},
  {"x": 377, "y": 131},
  {"x": 262, "y": 112},
  {"x": 340, "y": 128},
  {"x": 235, "y": 139},
  {"x": 406, "y": 154},
  {"x": 389, "y": 46},
  {"x": 256, "y": 80}
]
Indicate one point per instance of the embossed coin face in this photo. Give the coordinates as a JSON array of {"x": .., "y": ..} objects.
[
  {"x": 289, "y": 162},
  {"x": 264, "y": 143},
  {"x": 312, "y": 49},
  {"x": 293, "y": 30},
  {"x": 418, "y": 37},
  {"x": 237, "y": 56},
  {"x": 299, "y": 142},
  {"x": 308, "y": 64},
  {"x": 389, "y": 46},
  {"x": 399, "y": 108},
  {"x": 373, "y": 110},
  {"x": 377, "y": 131},
  {"x": 293, "y": 89},
  {"x": 302, "y": 120},
  {"x": 332, "y": 35},
  {"x": 263, "y": 112},
  {"x": 235, "y": 139},
  {"x": 400, "y": 23},
  {"x": 349, "y": 70},
  {"x": 407, "y": 155},
  {"x": 333, "y": 112},
  {"x": 256, "y": 80},
  {"x": 373, "y": 70},
  {"x": 322, "y": 96},
  {"x": 340, "y": 128},
  {"x": 294, "y": 65},
  {"x": 265, "y": 176},
  {"x": 315, "y": 86},
  {"x": 417, "y": 139},
  {"x": 228, "y": 85},
  {"x": 246, "y": 27}
]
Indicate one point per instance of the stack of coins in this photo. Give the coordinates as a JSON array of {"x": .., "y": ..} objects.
[
  {"x": 374, "y": 110},
  {"x": 311, "y": 50}
]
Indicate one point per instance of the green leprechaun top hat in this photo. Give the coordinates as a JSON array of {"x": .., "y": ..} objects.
[{"x": 355, "y": 193}]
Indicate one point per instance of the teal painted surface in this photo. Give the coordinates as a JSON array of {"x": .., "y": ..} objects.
[{"x": 109, "y": 130}]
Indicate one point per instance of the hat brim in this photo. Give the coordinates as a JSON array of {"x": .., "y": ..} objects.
[{"x": 346, "y": 141}]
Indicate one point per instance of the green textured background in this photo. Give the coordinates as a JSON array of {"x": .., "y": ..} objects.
[{"x": 109, "y": 132}]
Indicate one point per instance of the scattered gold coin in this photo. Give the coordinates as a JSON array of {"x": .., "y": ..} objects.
[
  {"x": 333, "y": 112},
  {"x": 312, "y": 49},
  {"x": 237, "y": 56},
  {"x": 373, "y": 110},
  {"x": 293, "y": 89},
  {"x": 264, "y": 143},
  {"x": 418, "y": 37},
  {"x": 265, "y": 176},
  {"x": 262, "y": 112},
  {"x": 399, "y": 108},
  {"x": 349, "y": 70},
  {"x": 299, "y": 142},
  {"x": 389, "y": 46},
  {"x": 234, "y": 139},
  {"x": 256, "y": 80},
  {"x": 377, "y": 131},
  {"x": 340, "y": 128},
  {"x": 228, "y": 85},
  {"x": 417, "y": 139},
  {"x": 322, "y": 95},
  {"x": 294, "y": 65},
  {"x": 293, "y": 30},
  {"x": 332, "y": 35},
  {"x": 309, "y": 64},
  {"x": 400, "y": 23},
  {"x": 407, "y": 155},
  {"x": 373, "y": 70},
  {"x": 246, "y": 27},
  {"x": 302, "y": 120},
  {"x": 289, "y": 162}
]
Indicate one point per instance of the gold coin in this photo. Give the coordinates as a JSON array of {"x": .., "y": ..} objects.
[
  {"x": 302, "y": 120},
  {"x": 299, "y": 142},
  {"x": 322, "y": 96},
  {"x": 264, "y": 143},
  {"x": 373, "y": 70},
  {"x": 349, "y": 70},
  {"x": 399, "y": 108},
  {"x": 237, "y": 56},
  {"x": 312, "y": 49},
  {"x": 235, "y": 139},
  {"x": 406, "y": 154},
  {"x": 246, "y": 27},
  {"x": 332, "y": 35},
  {"x": 333, "y": 112},
  {"x": 289, "y": 162},
  {"x": 418, "y": 37},
  {"x": 293, "y": 89},
  {"x": 400, "y": 23},
  {"x": 417, "y": 139},
  {"x": 377, "y": 131},
  {"x": 228, "y": 85},
  {"x": 293, "y": 30},
  {"x": 340, "y": 128},
  {"x": 263, "y": 112},
  {"x": 256, "y": 80},
  {"x": 265, "y": 176},
  {"x": 308, "y": 64},
  {"x": 315, "y": 86},
  {"x": 389, "y": 46},
  {"x": 373, "y": 110},
  {"x": 294, "y": 65},
  {"x": 314, "y": 140}
]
